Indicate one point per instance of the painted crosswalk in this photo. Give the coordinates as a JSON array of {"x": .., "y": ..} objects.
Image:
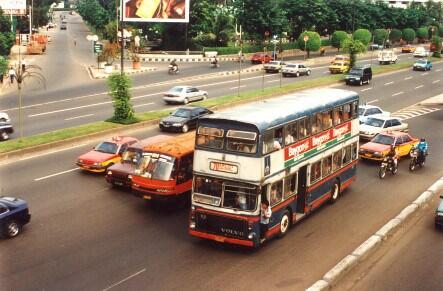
[{"x": 414, "y": 111}]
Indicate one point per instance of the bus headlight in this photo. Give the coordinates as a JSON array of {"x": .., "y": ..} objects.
[
  {"x": 129, "y": 177},
  {"x": 110, "y": 173},
  {"x": 251, "y": 235},
  {"x": 192, "y": 225}
]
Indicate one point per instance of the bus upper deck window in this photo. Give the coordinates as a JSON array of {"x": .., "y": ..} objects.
[{"x": 210, "y": 137}]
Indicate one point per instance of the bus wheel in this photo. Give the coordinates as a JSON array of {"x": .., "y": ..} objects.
[
  {"x": 284, "y": 224},
  {"x": 335, "y": 192}
]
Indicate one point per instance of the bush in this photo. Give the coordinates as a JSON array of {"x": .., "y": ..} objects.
[
  {"x": 338, "y": 37},
  {"x": 395, "y": 35},
  {"x": 440, "y": 30},
  {"x": 3, "y": 65},
  {"x": 325, "y": 42},
  {"x": 312, "y": 45},
  {"x": 422, "y": 34},
  {"x": 206, "y": 39},
  {"x": 250, "y": 48},
  {"x": 119, "y": 86},
  {"x": 380, "y": 36},
  {"x": 408, "y": 35},
  {"x": 362, "y": 35}
]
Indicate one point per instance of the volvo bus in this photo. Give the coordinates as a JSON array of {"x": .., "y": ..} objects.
[{"x": 297, "y": 152}]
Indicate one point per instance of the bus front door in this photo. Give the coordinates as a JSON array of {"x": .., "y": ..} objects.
[{"x": 301, "y": 190}]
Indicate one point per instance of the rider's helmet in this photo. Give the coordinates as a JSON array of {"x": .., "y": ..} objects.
[{"x": 422, "y": 139}]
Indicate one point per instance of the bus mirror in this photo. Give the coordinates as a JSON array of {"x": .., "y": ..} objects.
[{"x": 441, "y": 196}]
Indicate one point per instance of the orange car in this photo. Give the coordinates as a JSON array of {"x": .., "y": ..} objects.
[
  {"x": 106, "y": 154},
  {"x": 408, "y": 49},
  {"x": 260, "y": 58},
  {"x": 380, "y": 145}
]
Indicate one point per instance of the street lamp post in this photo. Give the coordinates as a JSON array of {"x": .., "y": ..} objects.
[{"x": 122, "y": 41}]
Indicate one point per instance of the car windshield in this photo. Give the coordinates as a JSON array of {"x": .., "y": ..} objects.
[
  {"x": 273, "y": 63},
  {"x": 337, "y": 64},
  {"x": 291, "y": 66},
  {"x": 383, "y": 139},
  {"x": 421, "y": 61},
  {"x": 107, "y": 147},
  {"x": 131, "y": 156},
  {"x": 156, "y": 167},
  {"x": 361, "y": 111},
  {"x": 181, "y": 112},
  {"x": 357, "y": 72},
  {"x": 374, "y": 122},
  {"x": 176, "y": 89}
]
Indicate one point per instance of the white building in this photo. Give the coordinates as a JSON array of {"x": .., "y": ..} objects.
[{"x": 406, "y": 3}]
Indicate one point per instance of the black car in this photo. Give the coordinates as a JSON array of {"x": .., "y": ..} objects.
[
  {"x": 439, "y": 214},
  {"x": 183, "y": 118},
  {"x": 14, "y": 213},
  {"x": 359, "y": 75},
  {"x": 5, "y": 130}
]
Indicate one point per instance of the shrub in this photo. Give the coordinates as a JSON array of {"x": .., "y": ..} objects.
[
  {"x": 337, "y": 38},
  {"x": 119, "y": 89},
  {"x": 380, "y": 36},
  {"x": 206, "y": 39},
  {"x": 362, "y": 35},
  {"x": 422, "y": 34},
  {"x": 312, "y": 45},
  {"x": 395, "y": 35},
  {"x": 440, "y": 30},
  {"x": 408, "y": 35}
]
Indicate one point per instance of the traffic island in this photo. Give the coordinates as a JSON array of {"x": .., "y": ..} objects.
[{"x": 102, "y": 73}]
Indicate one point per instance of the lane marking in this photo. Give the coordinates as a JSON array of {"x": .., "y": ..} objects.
[
  {"x": 398, "y": 93},
  {"x": 424, "y": 74},
  {"x": 124, "y": 280},
  {"x": 271, "y": 81},
  {"x": 53, "y": 152},
  {"x": 372, "y": 101},
  {"x": 389, "y": 83},
  {"x": 418, "y": 87},
  {"x": 69, "y": 109},
  {"x": 363, "y": 90},
  {"x": 56, "y": 174},
  {"x": 146, "y": 104},
  {"x": 77, "y": 117},
  {"x": 407, "y": 78},
  {"x": 438, "y": 70},
  {"x": 232, "y": 88},
  {"x": 436, "y": 81}
]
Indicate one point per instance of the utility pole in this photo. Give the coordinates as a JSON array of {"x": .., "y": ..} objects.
[{"x": 122, "y": 40}]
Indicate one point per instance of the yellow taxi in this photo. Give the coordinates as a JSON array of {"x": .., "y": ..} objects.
[
  {"x": 339, "y": 67},
  {"x": 408, "y": 49},
  {"x": 380, "y": 145}
]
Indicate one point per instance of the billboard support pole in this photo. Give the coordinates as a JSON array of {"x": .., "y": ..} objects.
[{"x": 122, "y": 41}]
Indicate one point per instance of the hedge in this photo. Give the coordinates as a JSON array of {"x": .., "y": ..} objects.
[{"x": 249, "y": 48}]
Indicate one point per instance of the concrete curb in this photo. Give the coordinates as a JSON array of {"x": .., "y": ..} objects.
[
  {"x": 100, "y": 75},
  {"x": 372, "y": 243},
  {"x": 185, "y": 60}
]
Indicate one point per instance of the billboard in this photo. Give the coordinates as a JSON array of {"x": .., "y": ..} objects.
[
  {"x": 156, "y": 10},
  {"x": 14, "y": 7}
]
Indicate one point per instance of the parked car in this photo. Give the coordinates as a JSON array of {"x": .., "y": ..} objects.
[
  {"x": 184, "y": 94},
  {"x": 408, "y": 49},
  {"x": 184, "y": 118},
  {"x": 340, "y": 58},
  {"x": 4, "y": 117},
  {"x": 378, "y": 148},
  {"x": 260, "y": 58},
  {"x": 105, "y": 154},
  {"x": 274, "y": 66},
  {"x": 387, "y": 57},
  {"x": 5, "y": 130},
  {"x": 422, "y": 65},
  {"x": 378, "y": 124},
  {"x": 14, "y": 214},
  {"x": 439, "y": 214},
  {"x": 421, "y": 52},
  {"x": 366, "y": 110},
  {"x": 359, "y": 75},
  {"x": 295, "y": 70},
  {"x": 339, "y": 67}
]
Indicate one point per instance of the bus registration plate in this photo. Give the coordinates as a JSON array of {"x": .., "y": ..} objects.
[{"x": 147, "y": 197}]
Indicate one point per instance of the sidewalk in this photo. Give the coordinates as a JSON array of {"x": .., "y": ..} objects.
[{"x": 437, "y": 100}]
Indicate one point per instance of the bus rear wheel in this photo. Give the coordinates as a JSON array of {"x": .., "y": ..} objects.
[
  {"x": 335, "y": 192},
  {"x": 285, "y": 223}
]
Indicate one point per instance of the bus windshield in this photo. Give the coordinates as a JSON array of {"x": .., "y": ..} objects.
[
  {"x": 157, "y": 167},
  {"x": 131, "y": 156},
  {"x": 227, "y": 194},
  {"x": 235, "y": 140}
]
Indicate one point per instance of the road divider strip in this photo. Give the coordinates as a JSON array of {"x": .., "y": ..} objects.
[{"x": 368, "y": 247}]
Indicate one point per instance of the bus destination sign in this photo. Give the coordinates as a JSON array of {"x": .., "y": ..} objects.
[{"x": 223, "y": 167}]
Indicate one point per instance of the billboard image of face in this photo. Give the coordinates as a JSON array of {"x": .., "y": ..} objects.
[{"x": 156, "y": 10}]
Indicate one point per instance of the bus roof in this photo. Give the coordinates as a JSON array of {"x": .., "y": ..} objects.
[
  {"x": 153, "y": 139},
  {"x": 175, "y": 146},
  {"x": 272, "y": 112}
]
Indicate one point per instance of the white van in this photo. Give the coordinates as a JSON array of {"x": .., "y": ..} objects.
[
  {"x": 421, "y": 52},
  {"x": 387, "y": 57}
]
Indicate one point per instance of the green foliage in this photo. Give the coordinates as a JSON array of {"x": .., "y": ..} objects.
[
  {"x": 380, "y": 36},
  {"x": 313, "y": 43},
  {"x": 362, "y": 35},
  {"x": 422, "y": 33},
  {"x": 395, "y": 35},
  {"x": 205, "y": 39},
  {"x": 440, "y": 30},
  {"x": 110, "y": 31},
  {"x": 7, "y": 38},
  {"x": 93, "y": 13},
  {"x": 437, "y": 46},
  {"x": 250, "y": 48},
  {"x": 119, "y": 89},
  {"x": 325, "y": 42},
  {"x": 338, "y": 37},
  {"x": 3, "y": 65},
  {"x": 353, "y": 47},
  {"x": 408, "y": 35}
]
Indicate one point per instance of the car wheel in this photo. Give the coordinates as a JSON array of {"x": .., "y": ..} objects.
[
  {"x": 285, "y": 223},
  {"x": 12, "y": 229},
  {"x": 297, "y": 74},
  {"x": 285, "y": 75},
  {"x": 308, "y": 72},
  {"x": 185, "y": 128},
  {"x": 361, "y": 82},
  {"x": 4, "y": 135},
  {"x": 335, "y": 192},
  {"x": 205, "y": 96},
  {"x": 368, "y": 82},
  {"x": 186, "y": 101}
]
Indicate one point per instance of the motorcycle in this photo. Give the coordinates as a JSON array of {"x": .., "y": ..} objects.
[
  {"x": 172, "y": 70},
  {"x": 215, "y": 64},
  {"x": 387, "y": 165},
  {"x": 417, "y": 159}
]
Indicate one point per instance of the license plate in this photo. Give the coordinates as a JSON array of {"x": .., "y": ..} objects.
[
  {"x": 147, "y": 197},
  {"x": 166, "y": 125},
  {"x": 118, "y": 183}
]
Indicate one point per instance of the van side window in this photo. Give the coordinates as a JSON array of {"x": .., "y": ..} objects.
[{"x": 184, "y": 172}]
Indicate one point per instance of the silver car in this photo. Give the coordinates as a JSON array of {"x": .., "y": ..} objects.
[
  {"x": 184, "y": 94},
  {"x": 274, "y": 66},
  {"x": 295, "y": 70}
]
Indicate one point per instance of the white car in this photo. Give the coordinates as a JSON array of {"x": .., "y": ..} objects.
[
  {"x": 365, "y": 111},
  {"x": 4, "y": 117},
  {"x": 295, "y": 70},
  {"x": 378, "y": 123},
  {"x": 421, "y": 52},
  {"x": 184, "y": 94},
  {"x": 273, "y": 66}
]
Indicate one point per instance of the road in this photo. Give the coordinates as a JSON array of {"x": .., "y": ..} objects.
[
  {"x": 410, "y": 260},
  {"x": 72, "y": 98},
  {"x": 85, "y": 235}
]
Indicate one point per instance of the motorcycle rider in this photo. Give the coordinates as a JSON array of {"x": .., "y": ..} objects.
[
  {"x": 214, "y": 62},
  {"x": 422, "y": 147},
  {"x": 174, "y": 65},
  {"x": 393, "y": 155}
]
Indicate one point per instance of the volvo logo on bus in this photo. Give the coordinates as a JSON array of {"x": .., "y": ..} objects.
[{"x": 231, "y": 231}]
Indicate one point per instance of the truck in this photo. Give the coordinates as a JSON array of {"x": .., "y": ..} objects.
[{"x": 387, "y": 57}]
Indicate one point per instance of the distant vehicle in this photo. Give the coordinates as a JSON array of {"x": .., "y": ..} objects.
[
  {"x": 274, "y": 66},
  {"x": 422, "y": 65},
  {"x": 72, "y": 12},
  {"x": 433, "y": 47},
  {"x": 421, "y": 52},
  {"x": 340, "y": 58},
  {"x": 378, "y": 148},
  {"x": 63, "y": 26},
  {"x": 14, "y": 214},
  {"x": 5, "y": 130},
  {"x": 375, "y": 46},
  {"x": 51, "y": 25},
  {"x": 387, "y": 57},
  {"x": 339, "y": 67},
  {"x": 260, "y": 58},
  {"x": 4, "y": 117},
  {"x": 295, "y": 70},
  {"x": 366, "y": 110},
  {"x": 439, "y": 214},
  {"x": 379, "y": 124},
  {"x": 105, "y": 154},
  {"x": 359, "y": 75},
  {"x": 408, "y": 49},
  {"x": 183, "y": 118},
  {"x": 184, "y": 94}
]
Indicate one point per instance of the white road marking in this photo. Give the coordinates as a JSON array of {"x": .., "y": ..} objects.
[
  {"x": 424, "y": 74},
  {"x": 56, "y": 174},
  {"x": 232, "y": 88},
  {"x": 69, "y": 109},
  {"x": 326, "y": 72},
  {"x": 363, "y": 90},
  {"x": 436, "y": 81},
  {"x": 389, "y": 83},
  {"x": 372, "y": 101},
  {"x": 398, "y": 93},
  {"x": 77, "y": 117},
  {"x": 407, "y": 78},
  {"x": 124, "y": 280},
  {"x": 53, "y": 152},
  {"x": 418, "y": 87},
  {"x": 438, "y": 70},
  {"x": 146, "y": 104},
  {"x": 271, "y": 81}
]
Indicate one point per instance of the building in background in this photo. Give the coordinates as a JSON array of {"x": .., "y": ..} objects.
[{"x": 406, "y": 3}]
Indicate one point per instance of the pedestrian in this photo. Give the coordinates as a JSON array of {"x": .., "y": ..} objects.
[
  {"x": 11, "y": 75},
  {"x": 23, "y": 65},
  {"x": 265, "y": 215},
  {"x": 75, "y": 42}
]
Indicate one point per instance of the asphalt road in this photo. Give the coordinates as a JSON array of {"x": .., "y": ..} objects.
[
  {"x": 85, "y": 235},
  {"x": 410, "y": 260}
]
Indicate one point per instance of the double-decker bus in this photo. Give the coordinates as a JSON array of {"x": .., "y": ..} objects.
[
  {"x": 164, "y": 172},
  {"x": 297, "y": 151}
]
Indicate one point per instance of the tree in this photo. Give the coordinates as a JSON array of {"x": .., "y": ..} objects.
[
  {"x": 436, "y": 44},
  {"x": 338, "y": 37},
  {"x": 422, "y": 34},
  {"x": 110, "y": 31},
  {"x": 408, "y": 35},
  {"x": 313, "y": 43},
  {"x": 119, "y": 89},
  {"x": 380, "y": 36},
  {"x": 7, "y": 38},
  {"x": 3, "y": 68},
  {"x": 353, "y": 47},
  {"x": 395, "y": 35},
  {"x": 362, "y": 35},
  {"x": 440, "y": 30}
]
